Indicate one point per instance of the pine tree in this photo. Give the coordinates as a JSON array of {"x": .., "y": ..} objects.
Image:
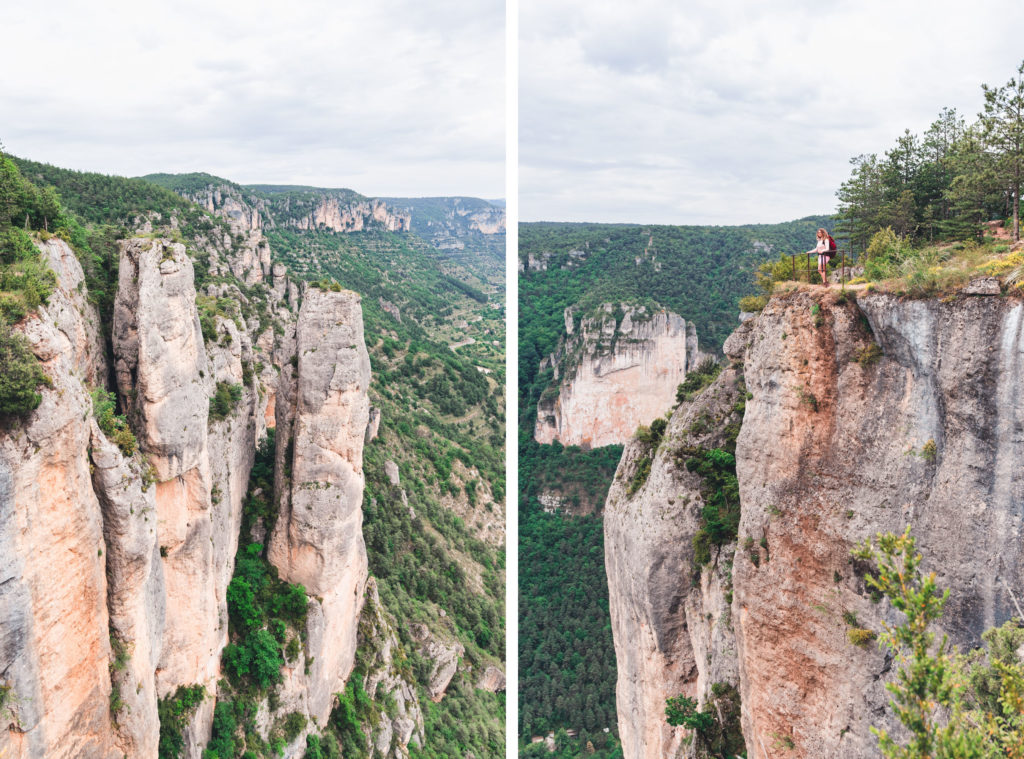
[{"x": 1003, "y": 127}]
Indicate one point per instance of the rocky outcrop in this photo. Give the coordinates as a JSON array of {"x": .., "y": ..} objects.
[
  {"x": 614, "y": 372},
  {"x": 317, "y": 540},
  {"x": 336, "y": 215},
  {"x": 444, "y": 653},
  {"x": 402, "y": 721},
  {"x": 227, "y": 202},
  {"x": 863, "y": 417}
]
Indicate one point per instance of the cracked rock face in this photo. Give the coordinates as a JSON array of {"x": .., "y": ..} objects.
[
  {"x": 835, "y": 447},
  {"x": 444, "y": 653},
  {"x": 317, "y": 539},
  {"x": 54, "y": 646},
  {"x": 673, "y": 635},
  {"x": 614, "y": 376}
]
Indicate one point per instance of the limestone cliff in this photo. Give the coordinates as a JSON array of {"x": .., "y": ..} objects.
[
  {"x": 862, "y": 416},
  {"x": 317, "y": 540},
  {"x": 613, "y": 372},
  {"x": 114, "y": 562},
  {"x": 334, "y": 214},
  {"x": 54, "y": 638}
]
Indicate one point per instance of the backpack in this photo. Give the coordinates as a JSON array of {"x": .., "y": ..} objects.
[{"x": 831, "y": 246}]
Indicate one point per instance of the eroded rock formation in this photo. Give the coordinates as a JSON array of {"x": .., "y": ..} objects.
[
  {"x": 838, "y": 442},
  {"x": 317, "y": 540},
  {"x": 114, "y": 564},
  {"x": 613, "y": 373}
]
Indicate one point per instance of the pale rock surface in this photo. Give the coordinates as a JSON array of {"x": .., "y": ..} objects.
[
  {"x": 135, "y": 593},
  {"x": 391, "y": 470},
  {"x": 492, "y": 680},
  {"x": 830, "y": 453},
  {"x": 444, "y": 652},
  {"x": 331, "y": 213},
  {"x": 614, "y": 376},
  {"x": 54, "y": 647},
  {"x": 373, "y": 425},
  {"x": 317, "y": 540},
  {"x": 673, "y": 636}
]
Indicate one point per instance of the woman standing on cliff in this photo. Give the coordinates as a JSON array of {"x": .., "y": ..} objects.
[{"x": 822, "y": 249}]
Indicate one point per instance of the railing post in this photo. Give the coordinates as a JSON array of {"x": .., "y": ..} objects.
[
  {"x": 842, "y": 272},
  {"x": 792, "y": 257}
]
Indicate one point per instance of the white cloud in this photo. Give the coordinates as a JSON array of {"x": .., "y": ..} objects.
[
  {"x": 717, "y": 111},
  {"x": 393, "y": 97}
]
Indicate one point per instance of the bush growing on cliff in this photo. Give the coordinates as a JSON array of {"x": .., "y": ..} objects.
[
  {"x": 697, "y": 380},
  {"x": 720, "y": 515},
  {"x": 174, "y": 712},
  {"x": 114, "y": 426},
  {"x": 21, "y": 376},
  {"x": 717, "y": 731},
  {"x": 225, "y": 400}
]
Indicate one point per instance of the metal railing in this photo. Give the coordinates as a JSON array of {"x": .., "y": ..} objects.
[{"x": 842, "y": 266}]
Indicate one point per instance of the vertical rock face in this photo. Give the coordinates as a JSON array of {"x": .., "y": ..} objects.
[
  {"x": 614, "y": 376},
  {"x": 672, "y": 635},
  {"x": 135, "y": 596},
  {"x": 317, "y": 539},
  {"x": 163, "y": 375},
  {"x": 160, "y": 358},
  {"x": 54, "y": 647},
  {"x": 330, "y": 213},
  {"x": 835, "y": 447}
]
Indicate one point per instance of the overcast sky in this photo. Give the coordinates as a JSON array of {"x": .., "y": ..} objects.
[
  {"x": 387, "y": 97},
  {"x": 724, "y": 112}
]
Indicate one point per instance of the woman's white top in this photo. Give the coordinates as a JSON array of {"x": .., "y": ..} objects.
[{"x": 822, "y": 247}]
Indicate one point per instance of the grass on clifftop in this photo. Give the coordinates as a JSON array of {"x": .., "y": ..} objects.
[{"x": 890, "y": 264}]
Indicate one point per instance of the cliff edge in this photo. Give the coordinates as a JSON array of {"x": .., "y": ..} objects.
[{"x": 857, "y": 417}]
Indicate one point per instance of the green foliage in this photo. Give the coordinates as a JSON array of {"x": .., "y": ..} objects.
[
  {"x": 566, "y": 658},
  {"x": 717, "y": 731},
  {"x": 326, "y": 284},
  {"x": 697, "y": 380},
  {"x": 680, "y": 710},
  {"x": 464, "y": 726},
  {"x": 640, "y": 475},
  {"x": 102, "y": 199},
  {"x": 294, "y": 723},
  {"x": 946, "y": 182},
  {"x": 225, "y": 400},
  {"x": 753, "y": 303},
  {"x": 222, "y": 744},
  {"x": 720, "y": 514},
  {"x": 174, "y": 712},
  {"x": 261, "y": 607},
  {"x": 257, "y": 659},
  {"x": 114, "y": 426},
  {"x": 860, "y": 636},
  {"x": 21, "y": 377},
  {"x": 869, "y": 355},
  {"x": 354, "y": 707},
  {"x": 926, "y": 683}
]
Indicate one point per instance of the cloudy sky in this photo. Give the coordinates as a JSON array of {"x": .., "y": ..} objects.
[
  {"x": 725, "y": 112},
  {"x": 387, "y": 97}
]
